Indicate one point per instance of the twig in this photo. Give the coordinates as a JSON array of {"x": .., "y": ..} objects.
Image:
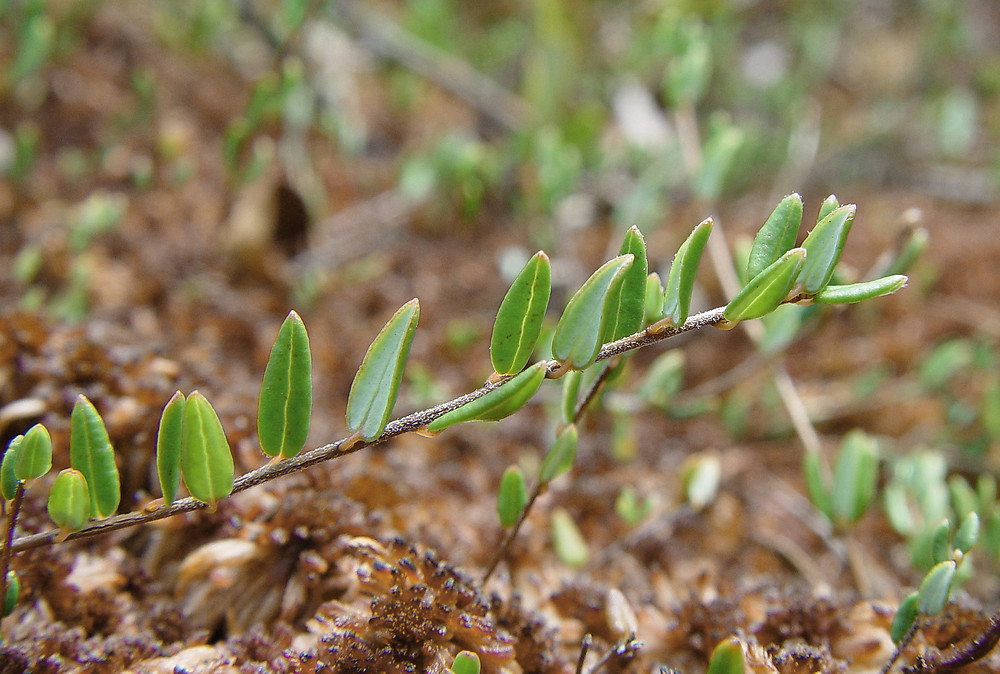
[
  {"x": 584, "y": 649},
  {"x": 508, "y": 539},
  {"x": 12, "y": 512},
  {"x": 900, "y": 647},
  {"x": 407, "y": 424}
]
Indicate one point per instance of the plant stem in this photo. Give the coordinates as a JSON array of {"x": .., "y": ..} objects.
[
  {"x": 12, "y": 512},
  {"x": 512, "y": 533},
  {"x": 407, "y": 424}
]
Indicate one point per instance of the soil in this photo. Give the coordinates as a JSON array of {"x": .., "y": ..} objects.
[{"x": 373, "y": 562}]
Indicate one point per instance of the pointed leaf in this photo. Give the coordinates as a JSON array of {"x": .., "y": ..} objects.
[
  {"x": 570, "y": 393},
  {"x": 376, "y": 384},
  {"x": 206, "y": 460},
  {"x": 766, "y": 290},
  {"x": 34, "y": 454},
  {"x": 823, "y": 247},
  {"x": 654, "y": 299},
  {"x": 511, "y": 497},
  {"x": 727, "y": 658},
  {"x": 967, "y": 534},
  {"x": 776, "y": 236},
  {"x": 680, "y": 279},
  {"x": 501, "y": 402},
  {"x": 519, "y": 319},
  {"x": 567, "y": 541},
  {"x": 168, "y": 447},
  {"x": 577, "y": 339},
  {"x": 69, "y": 501},
  {"x": 559, "y": 458},
  {"x": 285, "y": 406},
  {"x": 90, "y": 452},
  {"x": 8, "y": 480},
  {"x": 855, "y": 477},
  {"x": 627, "y": 304},
  {"x": 906, "y": 614},
  {"x": 829, "y": 205},
  {"x": 858, "y": 292},
  {"x": 819, "y": 490},
  {"x": 940, "y": 544},
  {"x": 13, "y": 593},
  {"x": 936, "y": 587}
]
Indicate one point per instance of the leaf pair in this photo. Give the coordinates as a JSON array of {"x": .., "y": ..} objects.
[
  {"x": 192, "y": 444},
  {"x": 854, "y": 482},
  {"x": 777, "y": 272},
  {"x": 513, "y": 493}
]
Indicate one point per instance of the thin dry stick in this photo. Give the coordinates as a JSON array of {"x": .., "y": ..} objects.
[{"x": 407, "y": 424}]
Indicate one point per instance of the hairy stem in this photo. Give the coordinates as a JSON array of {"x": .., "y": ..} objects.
[
  {"x": 12, "y": 512},
  {"x": 407, "y": 424}
]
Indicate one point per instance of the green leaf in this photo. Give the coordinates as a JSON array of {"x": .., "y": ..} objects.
[
  {"x": 940, "y": 542},
  {"x": 776, "y": 236},
  {"x": 629, "y": 508},
  {"x": 465, "y": 662},
  {"x": 823, "y": 247},
  {"x": 717, "y": 158},
  {"x": 8, "y": 480},
  {"x": 906, "y": 614},
  {"x": 567, "y": 541},
  {"x": 663, "y": 380},
  {"x": 701, "y": 475},
  {"x": 34, "y": 454},
  {"x": 511, "y": 497},
  {"x": 626, "y": 303},
  {"x": 69, "y": 501},
  {"x": 577, "y": 339},
  {"x": 859, "y": 292},
  {"x": 206, "y": 460},
  {"x": 936, "y": 587},
  {"x": 519, "y": 319},
  {"x": 909, "y": 251},
  {"x": 90, "y": 452},
  {"x": 168, "y": 447},
  {"x": 766, "y": 290},
  {"x": 376, "y": 384},
  {"x": 855, "y": 477},
  {"x": 285, "y": 406},
  {"x": 829, "y": 205},
  {"x": 727, "y": 658},
  {"x": 570, "y": 394},
  {"x": 817, "y": 484},
  {"x": 654, "y": 299},
  {"x": 500, "y": 402},
  {"x": 560, "y": 456},
  {"x": 13, "y": 593},
  {"x": 680, "y": 279},
  {"x": 968, "y": 533}
]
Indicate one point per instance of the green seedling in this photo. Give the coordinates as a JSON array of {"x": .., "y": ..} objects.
[
  {"x": 285, "y": 406},
  {"x": 664, "y": 380},
  {"x": 69, "y": 501},
  {"x": 519, "y": 319},
  {"x": 776, "y": 237},
  {"x": 577, "y": 339},
  {"x": 766, "y": 290},
  {"x": 90, "y": 452},
  {"x": 501, "y": 402},
  {"x": 560, "y": 457},
  {"x": 855, "y": 479},
  {"x": 168, "y": 447},
  {"x": 626, "y": 302},
  {"x": 567, "y": 541},
  {"x": 12, "y": 594},
  {"x": 700, "y": 476},
  {"x": 465, "y": 662},
  {"x": 630, "y": 508},
  {"x": 727, "y": 658},
  {"x": 680, "y": 279},
  {"x": 206, "y": 459},
  {"x": 512, "y": 496},
  {"x": 33, "y": 457},
  {"x": 376, "y": 385}
]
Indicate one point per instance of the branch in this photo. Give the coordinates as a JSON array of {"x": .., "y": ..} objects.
[{"x": 407, "y": 424}]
